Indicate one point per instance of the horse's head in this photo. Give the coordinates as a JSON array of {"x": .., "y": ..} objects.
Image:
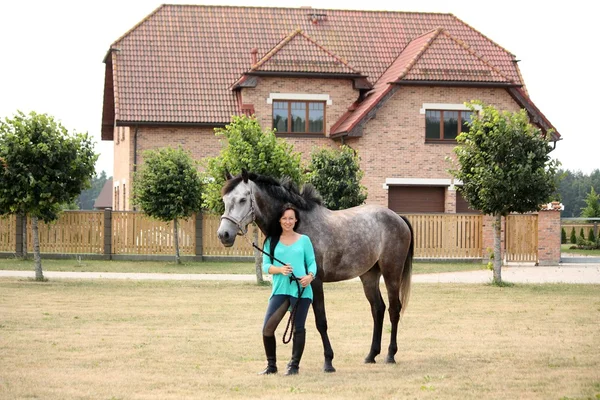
[{"x": 239, "y": 209}]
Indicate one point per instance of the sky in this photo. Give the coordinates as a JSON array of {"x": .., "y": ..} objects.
[{"x": 52, "y": 53}]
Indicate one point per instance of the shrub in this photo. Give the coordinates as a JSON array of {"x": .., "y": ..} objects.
[
  {"x": 563, "y": 236},
  {"x": 581, "y": 234},
  {"x": 573, "y": 236},
  {"x": 591, "y": 236}
]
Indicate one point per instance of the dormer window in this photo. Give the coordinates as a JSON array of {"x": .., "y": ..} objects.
[{"x": 299, "y": 116}]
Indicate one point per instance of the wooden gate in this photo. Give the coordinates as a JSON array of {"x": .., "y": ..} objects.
[{"x": 521, "y": 238}]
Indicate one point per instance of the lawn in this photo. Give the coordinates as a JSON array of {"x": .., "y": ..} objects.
[
  {"x": 566, "y": 249},
  {"x": 188, "y": 267},
  {"x": 102, "y": 339}
]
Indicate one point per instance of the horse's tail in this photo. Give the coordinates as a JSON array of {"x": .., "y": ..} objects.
[{"x": 407, "y": 270}]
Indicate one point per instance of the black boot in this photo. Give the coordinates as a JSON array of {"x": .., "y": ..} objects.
[
  {"x": 297, "y": 350},
  {"x": 270, "y": 351}
]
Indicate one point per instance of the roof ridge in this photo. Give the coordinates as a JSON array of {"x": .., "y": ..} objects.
[
  {"x": 436, "y": 32},
  {"x": 275, "y": 49},
  {"x": 301, "y": 32},
  {"x": 485, "y": 36}
]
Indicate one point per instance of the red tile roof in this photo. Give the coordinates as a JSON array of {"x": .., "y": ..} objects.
[
  {"x": 434, "y": 56},
  {"x": 178, "y": 64}
]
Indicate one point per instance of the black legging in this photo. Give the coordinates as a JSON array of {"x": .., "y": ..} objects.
[{"x": 278, "y": 306}]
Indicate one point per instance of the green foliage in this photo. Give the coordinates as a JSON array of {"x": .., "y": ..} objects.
[
  {"x": 573, "y": 238},
  {"x": 168, "y": 185},
  {"x": 248, "y": 147},
  {"x": 591, "y": 236},
  {"x": 42, "y": 167},
  {"x": 581, "y": 234},
  {"x": 336, "y": 175},
  {"x": 505, "y": 163},
  {"x": 573, "y": 189},
  {"x": 563, "y": 236},
  {"x": 592, "y": 208},
  {"x": 88, "y": 197}
]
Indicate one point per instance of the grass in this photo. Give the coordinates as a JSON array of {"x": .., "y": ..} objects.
[
  {"x": 565, "y": 248},
  {"x": 188, "y": 267},
  {"x": 102, "y": 339}
]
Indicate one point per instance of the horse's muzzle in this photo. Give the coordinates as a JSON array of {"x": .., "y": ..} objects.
[{"x": 226, "y": 236}]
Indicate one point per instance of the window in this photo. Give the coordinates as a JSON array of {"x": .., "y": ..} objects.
[
  {"x": 441, "y": 125},
  {"x": 299, "y": 116}
]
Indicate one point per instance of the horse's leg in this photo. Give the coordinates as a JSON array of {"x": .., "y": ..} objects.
[
  {"x": 321, "y": 322},
  {"x": 392, "y": 284},
  {"x": 370, "y": 282}
]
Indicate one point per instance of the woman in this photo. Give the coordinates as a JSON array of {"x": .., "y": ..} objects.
[{"x": 297, "y": 252}]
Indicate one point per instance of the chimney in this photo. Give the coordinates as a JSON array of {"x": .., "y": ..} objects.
[{"x": 254, "y": 52}]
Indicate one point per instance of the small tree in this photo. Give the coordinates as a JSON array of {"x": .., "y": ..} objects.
[
  {"x": 43, "y": 168},
  {"x": 563, "y": 236},
  {"x": 581, "y": 234},
  {"x": 168, "y": 187},
  {"x": 591, "y": 236},
  {"x": 592, "y": 208},
  {"x": 248, "y": 147},
  {"x": 336, "y": 175},
  {"x": 505, "y": 167},
  {"x": 573, "y": 237}
]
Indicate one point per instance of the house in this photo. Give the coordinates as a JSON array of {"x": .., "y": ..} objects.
[
  {"x": 105, "y": 197},
  {"x": 391, "y": 85}
]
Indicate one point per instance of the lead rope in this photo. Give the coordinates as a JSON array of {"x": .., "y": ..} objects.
[{"x": 291, "y": 321}]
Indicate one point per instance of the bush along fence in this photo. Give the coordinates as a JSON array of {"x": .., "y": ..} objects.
[{"x": 130, "y": 235}]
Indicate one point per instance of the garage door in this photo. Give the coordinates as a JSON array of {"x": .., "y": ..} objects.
[
  {"x": 462, "y": 205},
  {"x": 416, "y": 199}
]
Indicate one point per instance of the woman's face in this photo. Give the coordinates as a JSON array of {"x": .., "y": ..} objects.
[{"x": 288, "y": 221}]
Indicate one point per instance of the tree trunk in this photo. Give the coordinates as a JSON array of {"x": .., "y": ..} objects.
[
  {"x": 498, "y": 249},
  {"x": 257, "y": 256},
  {"x": 37, "y": 258},
  {"x": 175, "y": 228}
]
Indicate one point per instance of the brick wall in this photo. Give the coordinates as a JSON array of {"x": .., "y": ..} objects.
[{"x": 549, "y": 237}]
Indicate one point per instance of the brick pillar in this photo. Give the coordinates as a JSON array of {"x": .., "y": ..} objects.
[
  {"x": 19, "y": 236},
  {"x": 199, "y": 248},
  {"x": 450, "y": 200},
  {"x": 488, "y": 236},
  {"x": 549, "y": 235},
  {"x": 108, "y": 233}
]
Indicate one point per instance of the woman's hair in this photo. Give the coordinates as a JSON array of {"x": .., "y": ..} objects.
[{"x": 275, "y": 231}]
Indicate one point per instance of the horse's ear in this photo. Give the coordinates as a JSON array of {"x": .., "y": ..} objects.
[
  {"x": 245, "y": 175},
  {"x": 227, "y": 175}
]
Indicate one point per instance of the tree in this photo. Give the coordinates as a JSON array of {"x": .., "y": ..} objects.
[
  {"x": 248, "y": 147},
  {"x": 592, "y": 208},
  {"x": 563, "y": 236},
  {"x": 505, "y": 167},
  {"x": 336, "y": 175},
  {"x": 43, "y": 168},
  {"x": 86, "y": 199},
  {"x": 168, "y": 187},
  {"x": 573, "y": 236}
]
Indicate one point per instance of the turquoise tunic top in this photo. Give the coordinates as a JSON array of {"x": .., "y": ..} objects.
[{"x": 301, "y": 256}]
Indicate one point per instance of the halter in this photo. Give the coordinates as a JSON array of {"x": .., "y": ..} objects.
[{"x": 241, "y": 230}]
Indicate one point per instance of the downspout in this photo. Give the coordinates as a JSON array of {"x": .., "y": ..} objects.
[{"x": 135, "y": 137}]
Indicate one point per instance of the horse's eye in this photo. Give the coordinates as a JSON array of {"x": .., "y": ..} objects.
[{"x": 242, "y": 200}]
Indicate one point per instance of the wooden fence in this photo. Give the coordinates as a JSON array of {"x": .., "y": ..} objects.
[
  {"x": 447, "y": 235},
  {"x": 135, "y": 233},
  {"x": 8, "y": 234}
]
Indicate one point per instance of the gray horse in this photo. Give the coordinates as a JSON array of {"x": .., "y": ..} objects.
[{"x": 367, "y": 241}]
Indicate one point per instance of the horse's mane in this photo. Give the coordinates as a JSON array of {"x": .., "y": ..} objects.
[{"x": 283, "y": 189}]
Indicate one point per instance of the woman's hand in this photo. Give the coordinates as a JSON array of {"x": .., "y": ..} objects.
[
  {"x": 306, "y": 280},
  {"x": 286, "y": 269}
]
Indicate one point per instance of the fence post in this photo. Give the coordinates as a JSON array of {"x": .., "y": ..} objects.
[
  {"x": 199, "y": 248},
  {"x": 19, "y": 236},
  {"x": 108, "y": 233}
]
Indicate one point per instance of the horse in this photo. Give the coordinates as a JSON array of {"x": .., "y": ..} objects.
[{"x": 367, "y": 241}]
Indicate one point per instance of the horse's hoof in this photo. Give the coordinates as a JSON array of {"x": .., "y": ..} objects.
[
  {"x": 370, "y": 360},
  {"x": 328, "y": 369},
  {"x": 390, "y": 360}
]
